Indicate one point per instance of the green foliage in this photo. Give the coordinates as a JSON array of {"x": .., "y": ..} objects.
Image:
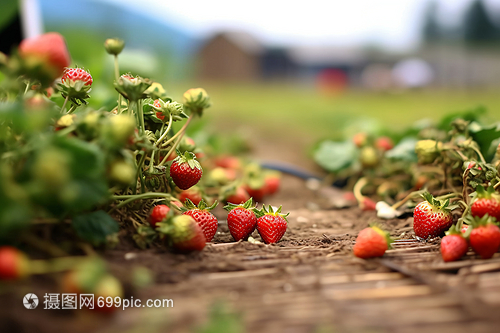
[
  {"x": 95, "y": 227},
  {"x": 221, "y": 320},
  {"x": 336, "y": 156}
]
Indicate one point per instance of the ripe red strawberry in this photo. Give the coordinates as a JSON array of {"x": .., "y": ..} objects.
[
  {"x": 158, "y": 214},
  {"x": 183, "y": 233},
  {"x": 185, "y": 170},
  {"x": 272, "y": 182},
  {"x": 432, "y": 217},
  {"x": 371, "y": 242},
  {"x": 485, "y": 236},
  {"x": 486, "y": 202},
  {"x": 228, "y": 162},
  {"x": 76, "y": 74},
  {"x": 194, "y": 194},
  {"x": 256, "y": 193},
  {"x": 241, "y": 220},
  {"x": 45, "y": 56},
  {"x": 239, "y": 196},
  {"x": 384, "y": 143},
  {"x": 271, "y": 224},
  {"x": 453, "y": 246},
  {"x": 206, "y": 220},
  {"x": 14, "y": 264}
]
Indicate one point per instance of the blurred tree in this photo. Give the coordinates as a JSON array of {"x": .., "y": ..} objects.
[
  {"x": 478, "y": 25},
  {"x": 432, "y": 31}
]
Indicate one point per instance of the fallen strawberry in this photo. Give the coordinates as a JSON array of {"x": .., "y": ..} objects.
[
  {"x": 257, "y": 193},
  {"x": 454, "y": 245},
  {"x": 271, "y": 224},
  {"x": 106, "y": 291},
  {"x": 432, "y": 217},
  {"x": 185, "y": 170},
  {"x": 201, "y": 214},
  {"x": 485, "y": 236},
  {"x": 241, "y": 220},
  {"x": 14, "y": 264},
  {"x": 158, "y": 214},
  {"x": 272, "y": 181},
  {"x": 371, "y": 242},
  {"x": 486, "y": 202},
  {"x": 183, "y": 233}
]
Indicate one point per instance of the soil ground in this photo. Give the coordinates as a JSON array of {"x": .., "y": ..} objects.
[{"x": 308, "y": 282}]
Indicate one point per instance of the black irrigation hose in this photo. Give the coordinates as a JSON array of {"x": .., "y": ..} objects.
[{"x": 297, "y": 172}]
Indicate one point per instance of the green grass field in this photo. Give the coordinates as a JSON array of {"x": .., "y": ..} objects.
[{"x": 287, "y": 111}]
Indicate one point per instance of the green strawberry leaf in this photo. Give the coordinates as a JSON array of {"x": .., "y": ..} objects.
[
  {"x": 404, "y": 150},
  {"x": 336, "y": 156},
  {"x": 486, "y": 137},
  {"x": 95, "y": 227}
]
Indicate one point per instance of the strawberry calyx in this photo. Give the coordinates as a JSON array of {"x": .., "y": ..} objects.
[
  {"x": 442, "y": 205},
  {"x": 477, "y": 222},
  {"x": 189, "y": 158},
  {"x": 270, "y": 211},
  {"x": 456, "y": 230},
  {"x": 247, "y": 205},
  {"x": 482, "y": 193},
  {"x": 189, "y": 205},
  {"x": 384, "y": 234}
]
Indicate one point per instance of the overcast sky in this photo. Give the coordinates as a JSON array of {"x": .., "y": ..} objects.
[{"x": 394, "y": 24}]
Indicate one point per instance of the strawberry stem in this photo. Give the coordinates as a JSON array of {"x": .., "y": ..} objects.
[
  {"x": 63, "y": 107},
  {"x": 180, "y": 134},
  {"x": 130, "y": 198}
]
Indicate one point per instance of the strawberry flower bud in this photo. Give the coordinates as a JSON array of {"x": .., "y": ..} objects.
[
  {"x": 156, "y": 91},
  {"x": 114, "y": 46},
  {"x": 132, "y": 88},
  {"x": 196, "y": 100}
]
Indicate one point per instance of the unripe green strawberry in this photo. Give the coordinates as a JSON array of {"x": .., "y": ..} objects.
[
  {"x": 114, "y": 46},
  {"x": 118, "y": 130},
  {"x": 371, "y": 242},
  {"x": 108, "y": 286},
  {"x": 122, "y": 172},
  {"x": 14, "y": 264},
  {"x": 427, "y": 151},
  {"x": 431, "y": 218},
  {"x": 196, "y": 100},
  {"x": 369, "y": 157}
]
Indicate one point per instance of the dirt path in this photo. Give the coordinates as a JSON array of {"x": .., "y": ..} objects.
[{"x": 308, "y": 282}]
